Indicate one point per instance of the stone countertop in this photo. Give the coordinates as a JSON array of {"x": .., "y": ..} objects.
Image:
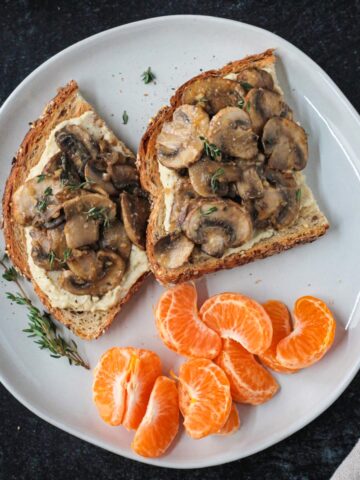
[{"x": 33, "y": 31}]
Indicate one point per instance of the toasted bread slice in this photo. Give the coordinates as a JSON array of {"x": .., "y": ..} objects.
[
  {"x": 310, "y": 224},
  {"x": 88, "y": 324}
]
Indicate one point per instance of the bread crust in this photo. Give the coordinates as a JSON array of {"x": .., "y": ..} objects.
[
  {"x": 64, "y": 106},
  {"x": 314, "y": 226}
]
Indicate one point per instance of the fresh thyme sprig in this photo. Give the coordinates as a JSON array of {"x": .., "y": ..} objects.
[
  {"x": 214, "y": 182},
  {"x": 77, "y": 186},
  {"x": 98, "y": 213},
  {"x": 41, "y": 327},
  {"x": 209, "y": 211},
  {"x": 148, "y": 76},
  {"x": 43, "y": 202},
  {"x": 41, "y": 177},
  {"x": 211, "y": 149}
]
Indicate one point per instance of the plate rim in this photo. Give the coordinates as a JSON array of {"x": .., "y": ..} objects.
[{"x": 276, "y": 438}]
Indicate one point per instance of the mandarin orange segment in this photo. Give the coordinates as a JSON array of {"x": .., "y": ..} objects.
[
  {"x": 313, "y": 334},
  {"x": 180, "y": 326},
  {"x": 281, "y": 323},
  {"x": 232, "y": 424},
  {"x": 250, "y": 382},
  {"x": 160, "y": 423},
  {"x": 204, "y": 397},
  {"x": 240, "y": 318},
  {"x": 123, "y": 380}
]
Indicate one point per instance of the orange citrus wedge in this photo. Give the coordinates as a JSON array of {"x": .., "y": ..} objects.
[
  {"x": 160, "y": 423},
  {"x": 180, "y": 327},
  {"x": 313, "y": 334},
  {"x": 123, "y": 380},
  {"x": 204, "y": 397},
  {"x": 250, "y": 382},
  {"x": 281, "y": 323},
  {"x": 240, "y": 318},
  {"x": 232, "y": 424}
]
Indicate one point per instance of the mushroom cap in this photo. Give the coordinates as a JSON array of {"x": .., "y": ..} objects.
[
  {"x": 178, "y": 145},
  {"x": 135, "y": 212},
  {"x": 78, "y": 145},
  {"x": 217, "y": 225},
  {"x": 210, "y": 178},
  {"x": 230, "y": 130},
  {"x": 85, "y": 264},
  {"x": 263, "y": 104},
  {"x": 84, "y": 215},
  {"x": 112, "y": 270},
  {"x": 114, "y": 237},
  {"x": 255, "y": 78},
  {"x": 96, "y": 172},
  {"x": 46, "y": 242},
  {"x": 213, "y": 94},
  {"x": 173, "y": 250},
  {"x": 286, "y": 143},
  {"x": 250, "y": 185}
]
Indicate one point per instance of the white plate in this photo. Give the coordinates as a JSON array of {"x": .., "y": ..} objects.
[{"x": 108, "y": 68}]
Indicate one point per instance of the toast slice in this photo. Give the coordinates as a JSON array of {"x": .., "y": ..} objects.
[
  {"x": 87, "y": 316},
  {"x": 164, "y": 184}
]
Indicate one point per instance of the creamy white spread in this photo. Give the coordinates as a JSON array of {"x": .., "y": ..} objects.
[
  {"x": 49, "y": 281},
  {"x": 169, "y": 178}
]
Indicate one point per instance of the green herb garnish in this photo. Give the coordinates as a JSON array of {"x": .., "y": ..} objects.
[
  {"x": 44, "y": 201},
  {"x": 208, "y": 211},
  {"x": 214, "y": 182},
  {"x": 41, "y": 326},
  {"x": 41, "y": 177},
  {"x": 98, "y": 213},
  {"x": 211, "y": 149},
  {"x": 51, "y": 258},
  {"x": 246, "y": 86},
  {"x": 241, "y": 103},
  {"x": 67, "y": 254},
  {"x": 10, "y": 274},
  {"x": 78, "y": 186},
  {"x": 298, "y": 195},
  {"x": 148, "y": 76},
  {"x": 125, "y": 117}
]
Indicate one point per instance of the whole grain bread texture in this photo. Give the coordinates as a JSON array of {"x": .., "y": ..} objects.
[
  {"x": 310, "y": 225},
  {"x": 67, "y": 104}
]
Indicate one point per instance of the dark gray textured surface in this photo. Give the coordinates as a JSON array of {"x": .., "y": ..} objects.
[{"x": 31, "y": 32}]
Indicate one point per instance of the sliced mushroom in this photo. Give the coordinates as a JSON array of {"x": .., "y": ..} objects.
[
  {"x": 211, "y": 179},
  {"x": 78, "y": 144},
  {"x": 179, "y": 145},
  {"x": 268, "y": 206},
  {"x": 286, "y": 143},
  {"x": 114, "y": 238},
  {"x": 69, "y": 176},
  {"x": 255, "y": 78},
  {"x": 113, "y": 269},
  {"x": 35, "y": 202},
  {"x": 280, "y": 203},
  {"x": 230, "y": 130},
  {"x": 250, "y": 186},
  {"x": 173, "y": 250},
  {"x": 184, "y": 194},
  {"x": 54, "y": 165},
  {"x": 135, "y": 211},
  {"x": 48, "y": 248},
  {"x": 213, "y": 94},
  {"x": 96, "y": 172},
  {"x": 84, "y": 215},
  {"x": 85, "y": 264},
  {"x": 263, "y": 104},
  {"x": 124, "y": 176},
  {"x": 217, "y": 225}
]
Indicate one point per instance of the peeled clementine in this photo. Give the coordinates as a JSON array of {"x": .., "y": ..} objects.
[{"x": 123, "y": 380}]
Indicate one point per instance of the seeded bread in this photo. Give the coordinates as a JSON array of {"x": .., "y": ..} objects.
[
  {"x": 310, "y": 224},
  {"x": 66, "y": 105}
]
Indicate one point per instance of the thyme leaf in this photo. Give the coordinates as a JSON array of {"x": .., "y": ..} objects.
[
  {"x": 211, "y": 149},
  {"x": 148, "y": 76}
]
